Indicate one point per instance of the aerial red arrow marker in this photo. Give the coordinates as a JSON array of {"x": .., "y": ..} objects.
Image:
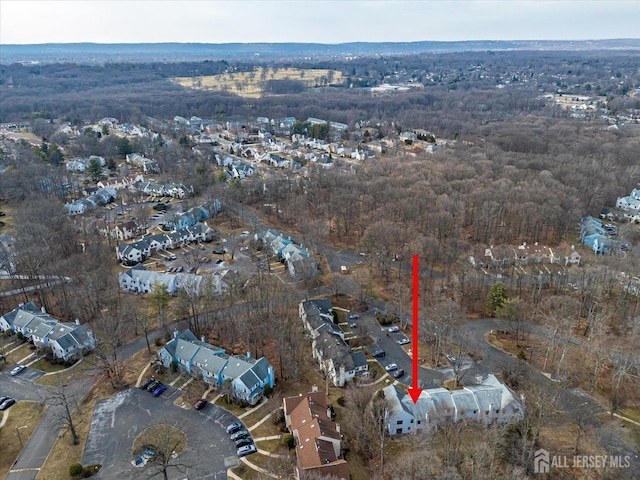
[{"x": 414, "y": 391}]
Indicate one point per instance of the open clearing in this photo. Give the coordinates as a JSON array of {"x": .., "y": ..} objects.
[{"x": 251, "y": 84}]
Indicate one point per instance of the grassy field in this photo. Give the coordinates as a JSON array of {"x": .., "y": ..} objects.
[
  {"x": 251, "y": 84},
  {"x": 23, "y": 417}
]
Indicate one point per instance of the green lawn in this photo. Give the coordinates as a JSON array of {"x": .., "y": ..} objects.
[
  {"x": 234, "y": 409},
  {"x": 15, "y": 357},
  {"x": 47, "y": 367},
  {"x": 69, "y": 374},
  {"x": 270, "y": 445}
]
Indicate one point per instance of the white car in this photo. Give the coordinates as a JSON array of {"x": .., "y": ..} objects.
[
  {"x": 16, "y": 370},
  {"x": 391, "y": 367},
  {"x": 403, "y": 341},
  {"x": 393, "y": 329}
]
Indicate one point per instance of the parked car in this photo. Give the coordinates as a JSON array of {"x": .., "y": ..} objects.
[
  {"x": 153, "y": 385},
  {"x": 234, "y": 427},
  {"x": 158, "y": 391},
  {"x": 393, "y": 329},
  {"x": 147, "y": 383},
  {"x": 2, "y": 399},
  {"x": 391, "y": 367},
  {"x": 354, "y": 316},
  {"x": 241, "y": 442},
  {"x": 403, "y": 341},
  {"x": 240, "y": 434},
  {"x": 247, "y": 450},
  {"x": 7, "y": 403},
  {"x": 398, "y": 373},
  {"x": 353, "y": 324},
  {"x": 379, "y": 353},
  {"x": 17, "y": 369},
  {"x": 200, "y": 404}
]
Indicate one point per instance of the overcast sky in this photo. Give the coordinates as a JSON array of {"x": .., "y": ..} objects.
[{"x": 323, "y": 21}]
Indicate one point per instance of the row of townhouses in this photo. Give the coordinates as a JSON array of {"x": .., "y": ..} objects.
[
  {"x": 317, "y": 437},
  {"x": 138, "y": 279},
  {"x": 334, "y": 355},
  {"x": 489, "y": 402},
  {"x": 299, "y": 261},
  {"x": 67, "y": 340},
  {"x": 594, "y": 234},
  {"x": 526, "y": 254},
  {"x": 136, "y": 252},
  {"x": 248, "y": 376}
]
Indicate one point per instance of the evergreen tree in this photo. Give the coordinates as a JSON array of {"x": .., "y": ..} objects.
[{"x": 496, "y": 298}]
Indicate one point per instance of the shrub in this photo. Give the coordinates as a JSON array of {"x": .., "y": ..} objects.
[
  {"x": 157, "y": 341},
  {"x": 522, "y": 355},
  {"x": 268, "y": 389},
  {"x": 75, "y": 469},
  {"x": 341, "y": 401},
  {"x": 20, "y": 336},
  {"x": 288, "y": 440}
]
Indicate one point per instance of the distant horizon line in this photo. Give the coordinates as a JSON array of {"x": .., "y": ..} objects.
[{"x": 322, "y": 43}]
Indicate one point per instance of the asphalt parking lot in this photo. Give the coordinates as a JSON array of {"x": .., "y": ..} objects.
[
  {"x": 117, "y": 421},
  {"x": 27, "y": 375}
]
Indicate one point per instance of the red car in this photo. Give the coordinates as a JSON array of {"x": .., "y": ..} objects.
[{"x": 200, "y": 404}]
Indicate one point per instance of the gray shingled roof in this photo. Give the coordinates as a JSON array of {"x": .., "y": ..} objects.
[
  {"x": 185, "y": 350},
  {"x": 209, "y": 361},
  {"x": 27, "y": 307}
]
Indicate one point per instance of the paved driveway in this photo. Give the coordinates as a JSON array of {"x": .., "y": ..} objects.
[{"x": 118, "y": 420}]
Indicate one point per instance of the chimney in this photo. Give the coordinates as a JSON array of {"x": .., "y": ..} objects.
[
  {"x": 314, "y": 388},
  {"x": 203, "y": 339},
  {"x": 248, "y": 354},
  {"x": 175, "y": 334},
  {"x": 43, "y": 310},
  {"x": 77, "y": 321}
]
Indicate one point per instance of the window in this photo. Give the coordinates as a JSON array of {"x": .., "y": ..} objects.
[
  {"x": 418, "y": 422},
  {"x": 399, "y": 422}
]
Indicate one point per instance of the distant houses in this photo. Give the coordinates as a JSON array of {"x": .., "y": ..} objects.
[
  {"x": 300, "y": 263},
  {"x": 490, "y": 402},
  {"x": 248, "y": 376},
  {"x": 334, "y": 356},
  {"x": 67, "y": 340},
  {"x": 593, "y": 234}
]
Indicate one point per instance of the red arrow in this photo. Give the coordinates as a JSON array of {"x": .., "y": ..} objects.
[{"x": 414, "y": 391}]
